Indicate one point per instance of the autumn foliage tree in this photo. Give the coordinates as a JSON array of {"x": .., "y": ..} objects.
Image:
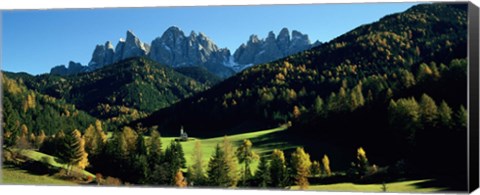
[
  {"x": 180, "y": 180},
  {"x": 278, "y": 169},
  {"x": 445, "y": 115},
  {"x": 94, "y": 140},
  {"x": 326, "y": 165},
  {"x": 300, "y": 162},
  {"x": 22, "y": 141},
  {"x": 40, "y": 139},
  {"x": 429, "y": 111},
  {"x": 74, "y": 151},
  {"x": 362, "y": 163},
  {"x": 315, "y": 169},
  {"x": 246, "y": 155},
  {"x": 196, "y": 170},
  {"x": 231, "y": 161}
]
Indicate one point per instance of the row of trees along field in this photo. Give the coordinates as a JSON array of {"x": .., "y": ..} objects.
[{"x": 138, "y": 159}]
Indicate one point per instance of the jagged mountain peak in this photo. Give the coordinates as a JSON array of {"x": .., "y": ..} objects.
[
  {"x": 108, "y": 45},
  {"x": 132, "y": 46},
  {"x": 271, "y": 35},
  {"x": 70, "y": 69},
  {"x": 130, "y": 33},
  {"x": 253, "y": 39},
  {"x": 193, "y": 34},
  {"x": 257, "y": 51},
  {"x": 284, "y": 31},
  {"x": 176, "y": 49},
  {"x": 173, "y": 29}
]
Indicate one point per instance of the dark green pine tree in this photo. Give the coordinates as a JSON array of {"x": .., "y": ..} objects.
[
  {"x": 175, "y": 159},
  {"x": 262, "y": 175},
  {"x": 141, "y": 148},
  {"x": 181, "y": 155},
  {"x": 65, "y": 151},
  {"x": 140, "y": 171},
  {"x": 278, "y": 169},
  {"x": 462, "y": 118},
  {"x": 155, "y": 156},
  {"x": 217, "y": 169}
]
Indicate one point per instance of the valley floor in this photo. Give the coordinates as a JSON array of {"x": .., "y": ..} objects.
[
  {"x": 263, "y": 143},
  {"x": 11, "y": 175},
  {"x": 404, "y": 186}
]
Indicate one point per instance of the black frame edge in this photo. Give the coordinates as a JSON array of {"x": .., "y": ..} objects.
[{"x": 473, "y": 104}]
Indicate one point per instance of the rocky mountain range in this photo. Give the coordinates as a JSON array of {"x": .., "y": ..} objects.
[
  {"x": 72, "y": 68},
  {"x": 176, "y": 49},
  {"x": 258, "y": 51}
]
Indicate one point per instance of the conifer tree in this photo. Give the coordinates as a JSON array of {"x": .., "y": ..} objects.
[
  {"x": 22, "y": 140},
  {"x": 404, "y": 116},
  {"x": 315, "y": 169},
  {"x": 79, "y": 157},
  {"x": 262, "y": 175},
  {"x": 196, "y": 171},
  {"x": 130, "y": 137},
  {"x": 362, "y": 161},
  {"x": 155, "y": 148},
  {"x": 429, "y": 111},
  {"x": 32, "y": 138},
  {"x": 40, "y": 139},
  {"x": 462, "y": 118},
  {"x": 141, "y": 148},
  {"x": 319, "y": 106},
  {"x": 278, "y": 169},
  {"x": 231, "y": 161},
  {"x": 180, "y": 180},
  {"x": 300, "y": 162},
  {"x": 91, "y": 141},
  {"x": 445, "y": 115},
  {"x": 356, "y": 97},
  {"x": 326, "y": 165},
  {"x": 246, "y": 155},
  {"x": 218, "y": 169},
  {"x": 174, "y": 159}
]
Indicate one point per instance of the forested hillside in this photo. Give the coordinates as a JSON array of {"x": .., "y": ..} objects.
[
  {"x": 396, "y": 87},
  {"x": 30, "y": 116},
  {"x": 123, "y": 91},
  {"x": 393, "y": 57}
]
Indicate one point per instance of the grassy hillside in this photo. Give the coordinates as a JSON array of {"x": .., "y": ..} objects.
[
  {"x": 263, "y": 142},
  {"x": 12, "y": 175},
  {"x": 47, "y": 160},
  {"x": 414, "y": 186}
]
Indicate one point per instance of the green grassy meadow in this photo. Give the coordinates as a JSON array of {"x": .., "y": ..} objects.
[
  {"x": 45, "y": 158},
  {"x": 266, "y": 137},
  {"x": 264, "y": 142},
  {"x": 403, "y": 186},
  {"x": 12, "y": 175}
]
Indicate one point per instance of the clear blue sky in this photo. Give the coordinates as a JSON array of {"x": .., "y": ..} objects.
[{"x": 35, "y": 41}]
